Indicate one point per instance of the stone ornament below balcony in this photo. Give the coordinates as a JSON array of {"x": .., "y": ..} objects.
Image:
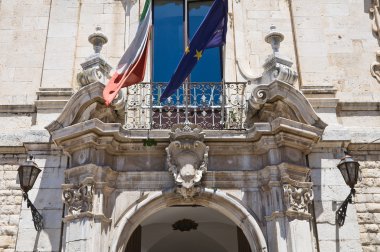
[{"x": 187, "y": 158}]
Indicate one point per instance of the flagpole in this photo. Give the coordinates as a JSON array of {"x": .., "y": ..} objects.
[
  {"x": 185, "y": 40},
  {"x": 151, "y": 78},
  {"x": 223, "y": 85}
]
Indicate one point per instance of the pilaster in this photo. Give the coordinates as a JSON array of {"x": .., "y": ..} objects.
[{"x": 287, "y": 197}]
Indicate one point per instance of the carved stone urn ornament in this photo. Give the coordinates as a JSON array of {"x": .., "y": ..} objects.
[{"x": 187, "y": 158}]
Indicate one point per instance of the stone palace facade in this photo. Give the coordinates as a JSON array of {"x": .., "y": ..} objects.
[{"x": 252, "y": 166}]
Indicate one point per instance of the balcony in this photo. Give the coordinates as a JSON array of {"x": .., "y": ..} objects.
[{"x": 209, "y": 105}]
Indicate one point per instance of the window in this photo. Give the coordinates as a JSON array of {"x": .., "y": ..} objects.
[{"x": 169, "y": 41}]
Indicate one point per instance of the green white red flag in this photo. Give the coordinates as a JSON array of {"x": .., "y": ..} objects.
[{"x": 131, "y": 67}]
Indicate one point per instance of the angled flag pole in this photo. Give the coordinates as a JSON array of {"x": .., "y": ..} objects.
[
  {"x": 131, "y": 67},
  {"x": 211, "y": 33}
]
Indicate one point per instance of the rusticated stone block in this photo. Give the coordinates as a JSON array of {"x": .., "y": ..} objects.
[
  {"x": 369, "y": 249},
  {"x": 6, "y": 241},
  {"x": 373, "y": 207},
  {"x": 364, "y": 218},
  {"x": 371, "y": 228}
]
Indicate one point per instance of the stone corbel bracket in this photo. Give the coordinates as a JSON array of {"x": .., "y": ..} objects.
[
  {"x": 187, "y": 158},
  {"x": 279, "y": 99},
  {"x": 87, "y": 191}
]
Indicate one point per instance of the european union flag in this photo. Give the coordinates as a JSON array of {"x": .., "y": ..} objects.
[{"x": 211, "y": 33}]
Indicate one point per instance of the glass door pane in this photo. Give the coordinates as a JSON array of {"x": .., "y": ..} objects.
[{"x": 168, "y": 44}]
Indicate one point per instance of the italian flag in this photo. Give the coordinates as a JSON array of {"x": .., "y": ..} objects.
[{"x": 131, "y": 67}]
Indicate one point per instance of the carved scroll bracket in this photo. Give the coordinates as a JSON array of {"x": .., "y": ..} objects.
[
  {"x": 375, "y": 16},
  {"x": 187, "y": 158}
]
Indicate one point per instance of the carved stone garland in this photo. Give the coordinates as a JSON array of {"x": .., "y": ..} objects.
[
  {"x": 187, "y": 158},
  {"x": 79, "y": 198},
  {"x": 374, "y": 12}
]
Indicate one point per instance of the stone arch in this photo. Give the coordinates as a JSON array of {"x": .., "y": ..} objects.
[{"x": 216, "y": 200}]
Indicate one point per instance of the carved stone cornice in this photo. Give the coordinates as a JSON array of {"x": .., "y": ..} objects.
[
  {"x": 187, "y": 158},
  {"x": 100, "y": 177},
  {"x": 76, "y": 105}
]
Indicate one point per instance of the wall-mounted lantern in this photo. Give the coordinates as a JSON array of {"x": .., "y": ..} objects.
[
  {"x": 350, "y": 172},
  {"x": 28, "y": 173}
]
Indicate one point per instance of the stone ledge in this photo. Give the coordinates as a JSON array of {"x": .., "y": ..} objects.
[
  {"x": 90, "y": 215},
  {"x": 50, "y": 104},
  {"x": 323, "y": 102},
  {"x": 18, "y": 108},
  {"x": 318, "y": 91},
  {"x": 358, "y": 106},
  {"x": 54, "y": 93}
]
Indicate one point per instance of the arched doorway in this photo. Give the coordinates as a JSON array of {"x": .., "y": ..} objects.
[
  {"x": 153, "y": 203},
  {"x": 187, "y": 229}
]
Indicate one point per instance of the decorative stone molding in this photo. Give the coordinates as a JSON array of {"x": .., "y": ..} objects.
[
  {"x": 297, "y": 200},
  {"x": 84, "y": 105},
  {"x": 375, "y": 67},
  {"x": 78, "y": 198},
  {"x": 278, "y": 99},
  {"x": 52, "y": 98},
  {"x": 374, "y": 13},
  {"x": 95, "y": 68},
  {"x": 289, "y": 182},
  {"x": 187, "y": 158},
  {"x": 87, "y": 191}
]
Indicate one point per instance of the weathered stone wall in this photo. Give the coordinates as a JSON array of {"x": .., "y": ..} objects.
[
  {"x": 336, "y": 46},
  {"x": 23, "y": 29},
  {"x": 367, "y": 202},
  {"x": 330, "y": 191},
  {"x": 46, "y": 195},
  {"x": 10, "y": 207}
]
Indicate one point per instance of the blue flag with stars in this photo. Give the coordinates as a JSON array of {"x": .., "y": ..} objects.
[{"x": 211, "y": 33}]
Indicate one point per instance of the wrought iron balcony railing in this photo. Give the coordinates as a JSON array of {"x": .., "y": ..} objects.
[{"x": 210, "y": 105}]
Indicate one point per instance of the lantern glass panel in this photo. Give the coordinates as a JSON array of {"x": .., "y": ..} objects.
[
  {"x": 28, "y": 174},
  {"x": 352, "y": 169},
  {"x": 343, "y": 170}
]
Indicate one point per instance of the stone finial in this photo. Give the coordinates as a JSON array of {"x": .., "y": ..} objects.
[
  {"x": 274, "y": 38},
  {"x": 277, "y": 66},
  {"x": 95, "y": 68},
  {"x": 98, "y": 39}
]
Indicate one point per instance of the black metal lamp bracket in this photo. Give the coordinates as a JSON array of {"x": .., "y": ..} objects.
[
  {"x": 37, "y": 217},
  {"x": 340, "y": 215}
]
